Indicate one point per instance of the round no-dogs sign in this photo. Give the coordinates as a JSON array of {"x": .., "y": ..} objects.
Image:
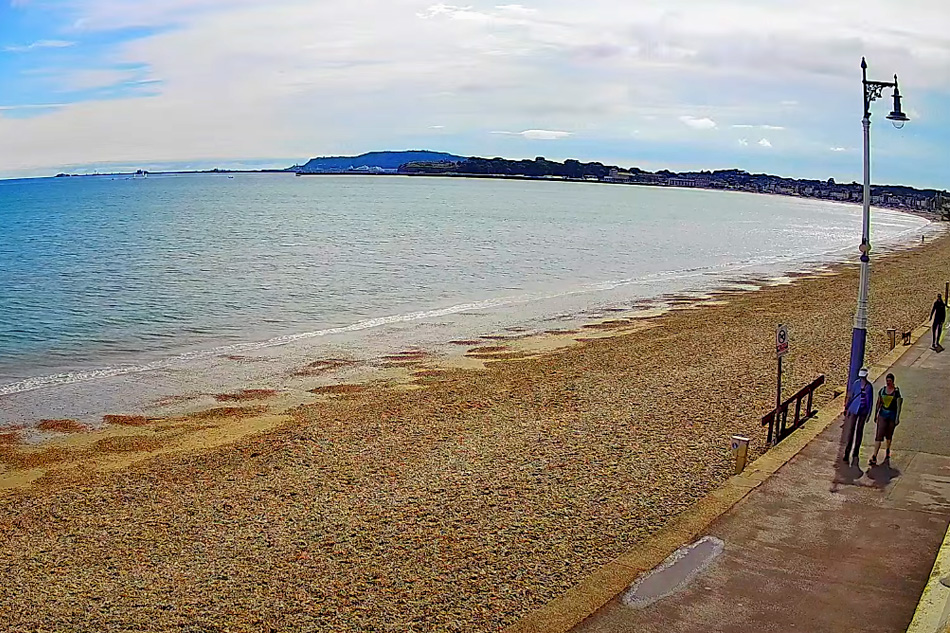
[{"x": 781, "y": 341}]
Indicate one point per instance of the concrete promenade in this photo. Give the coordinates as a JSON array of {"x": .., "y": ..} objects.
[{"x": 821, "y": 546}]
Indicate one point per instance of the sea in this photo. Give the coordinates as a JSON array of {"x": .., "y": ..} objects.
[{"x": 122, "y": 294}]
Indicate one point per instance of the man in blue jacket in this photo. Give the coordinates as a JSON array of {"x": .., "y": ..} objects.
[{"x": 860, "y": 399}]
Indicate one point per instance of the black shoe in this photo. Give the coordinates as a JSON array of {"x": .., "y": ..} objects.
[{"x": 845, "y": 459}]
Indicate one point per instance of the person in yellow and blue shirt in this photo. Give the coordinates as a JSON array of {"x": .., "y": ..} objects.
[{"x": 889, "y": 403}]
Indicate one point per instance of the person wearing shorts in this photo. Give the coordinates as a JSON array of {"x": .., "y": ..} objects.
[{"x": 889, "y": 403}]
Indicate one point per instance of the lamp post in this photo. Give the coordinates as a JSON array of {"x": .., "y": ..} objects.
[{"x": 872, "y": 91}]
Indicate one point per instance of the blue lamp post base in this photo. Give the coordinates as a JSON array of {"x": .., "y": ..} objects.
[{"x": 859, "y": 338}]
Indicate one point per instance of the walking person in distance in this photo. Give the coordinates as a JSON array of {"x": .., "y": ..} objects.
[
  {"x": 888, "y": 409},
  {"x": 939, "y": 314},
  {"x": 860, "y": 399}
]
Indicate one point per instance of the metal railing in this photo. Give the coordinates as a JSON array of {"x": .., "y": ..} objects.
[{"x": 780, "y": 429}]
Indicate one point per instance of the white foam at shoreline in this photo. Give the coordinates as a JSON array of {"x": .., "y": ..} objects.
[{"x": 711, "y": 275}]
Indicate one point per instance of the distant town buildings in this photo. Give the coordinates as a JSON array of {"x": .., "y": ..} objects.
[{"x": 897, "y": 197}]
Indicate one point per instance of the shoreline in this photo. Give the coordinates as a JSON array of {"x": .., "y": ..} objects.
[
  {"x": 215, "y": 371},
  {"x": 463, "y": 500}
]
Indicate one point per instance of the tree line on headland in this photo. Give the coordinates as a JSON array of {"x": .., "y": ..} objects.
[
  {"x": 427, "y": 163},
  {"x": 540, "y": 167}
]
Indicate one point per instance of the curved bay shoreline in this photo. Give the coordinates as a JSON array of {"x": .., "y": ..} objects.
[{"x": 461, "y": 500}]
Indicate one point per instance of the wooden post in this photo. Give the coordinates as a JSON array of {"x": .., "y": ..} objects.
[{"x": 778, "y": 404}]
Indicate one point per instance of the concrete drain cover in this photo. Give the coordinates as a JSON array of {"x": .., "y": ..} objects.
[{"x": 673, "y": 574}]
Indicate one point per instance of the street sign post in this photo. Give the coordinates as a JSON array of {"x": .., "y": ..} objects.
[{"x": 781, "y": 349}]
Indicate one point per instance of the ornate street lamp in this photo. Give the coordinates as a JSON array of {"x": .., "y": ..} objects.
[{"x": 872, "y": 92}]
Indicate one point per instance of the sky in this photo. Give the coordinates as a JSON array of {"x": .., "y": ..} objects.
[{"x": 763, "y": 85}]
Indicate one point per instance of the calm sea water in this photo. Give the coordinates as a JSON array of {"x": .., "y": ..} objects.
[{"x": 102, "y": 277}]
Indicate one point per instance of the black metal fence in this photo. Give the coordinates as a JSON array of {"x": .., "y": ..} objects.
[{"x": 780, "y": 429}]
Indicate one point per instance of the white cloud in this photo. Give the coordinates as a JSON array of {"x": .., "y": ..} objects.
[
  {"x": 516, "y": 9},
  {"x": 503, "y": 13},
  {"x": 837, "y": 149},
  {"x": 436, "y": 127},
  {"x": 538, "y": 135},
  {"x": 743, "y": 142},
  {"x": 31, "y": 106},
  {"x": 37, "y": 45},
  {"x": 762, "y": 127},
  {"x": 703, "y": 123},
  {"x": 300, "y": 78},
  {"x": 765, "y": 142}
]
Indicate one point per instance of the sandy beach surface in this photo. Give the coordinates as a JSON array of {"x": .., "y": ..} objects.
[{"x": 458, "y": 496}]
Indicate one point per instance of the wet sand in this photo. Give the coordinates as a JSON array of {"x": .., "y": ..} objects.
[{"x": 449, "y": 496}]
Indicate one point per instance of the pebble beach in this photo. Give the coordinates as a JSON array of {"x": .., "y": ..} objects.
[{"x": 461, "y": 499}]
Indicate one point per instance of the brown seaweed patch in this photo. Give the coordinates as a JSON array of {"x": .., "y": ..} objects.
[
  {"x": 9, "y": 438},
  {"x": 465, "y": 342},
  {"x": 338, "y": 389},
  {"x": 408, "y": 356},
  {"x": 127, "y": 444},
  {"x": 62, "y": 426},
  {"x": 562, "y": 331},
  {"x": 229, "y": 412},
  {"x": 512, "y": 355},
  {"x": 324, "y": 365},
  {"x": 246, "y": 394},
  {"x": 126, "y": 420},
  {"x": 608, "y": 325},
  {"x": 488, "y": 349}
]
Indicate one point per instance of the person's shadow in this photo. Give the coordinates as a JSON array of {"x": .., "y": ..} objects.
[
  {"x": 882, "y": 474},
  {"x": 847, "y": 474}
]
